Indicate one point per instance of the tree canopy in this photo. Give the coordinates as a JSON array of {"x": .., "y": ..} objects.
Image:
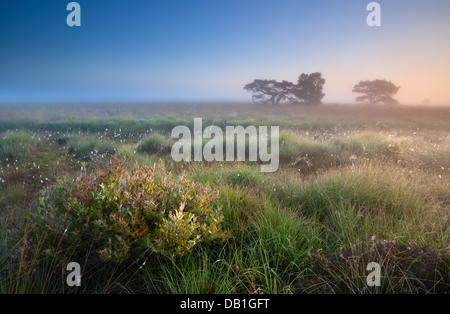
[
  {"x": 308, "y": 90},
  {"x": 376, "y": 92}
]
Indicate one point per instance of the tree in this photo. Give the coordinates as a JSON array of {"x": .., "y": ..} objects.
[
  {"x": 270, "y": 91},
  {"x": 376, "y": 92},
  {"x": 308, "y": 90},
  {"x": 263, "y": 91}
]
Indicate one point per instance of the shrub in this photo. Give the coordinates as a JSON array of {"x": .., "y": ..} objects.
[{"x": 122, "y": 213}]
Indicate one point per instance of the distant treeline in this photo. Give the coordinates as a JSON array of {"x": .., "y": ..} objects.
[{"x": 309, "y": 91}]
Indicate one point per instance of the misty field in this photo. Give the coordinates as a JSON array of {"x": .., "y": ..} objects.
[{"x": 356, "y": 184}]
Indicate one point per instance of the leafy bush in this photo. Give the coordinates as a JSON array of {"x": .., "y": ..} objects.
[{"x": 122, "y": 213}]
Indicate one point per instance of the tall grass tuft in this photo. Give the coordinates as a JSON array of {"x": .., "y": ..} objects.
[
  {"x": 154, "y": 143},
  {"x": 89, "y": 147},
  {"x": 16, "y": 145}
]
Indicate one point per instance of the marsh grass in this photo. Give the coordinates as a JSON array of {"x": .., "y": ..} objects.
[
  {"x": 155, "y": 143},
  {"x": 355, "y": 185},
  {"x": 371, "y": 144},
  {"x": 12, "y": 194},
  {"x": 89, "y": 147},
  {"x": 292, "y": 146},
  {"x": 406, "y": 269},
  {"x": 17, "y": 145}
]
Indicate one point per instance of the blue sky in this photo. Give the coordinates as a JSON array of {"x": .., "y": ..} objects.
[{"x": 150, "y": 50}]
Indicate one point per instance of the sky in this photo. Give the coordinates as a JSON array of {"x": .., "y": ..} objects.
[{"x": 192, "y": 50}]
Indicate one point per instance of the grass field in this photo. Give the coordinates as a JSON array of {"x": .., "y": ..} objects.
[{"x": 355, "y": 185}]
